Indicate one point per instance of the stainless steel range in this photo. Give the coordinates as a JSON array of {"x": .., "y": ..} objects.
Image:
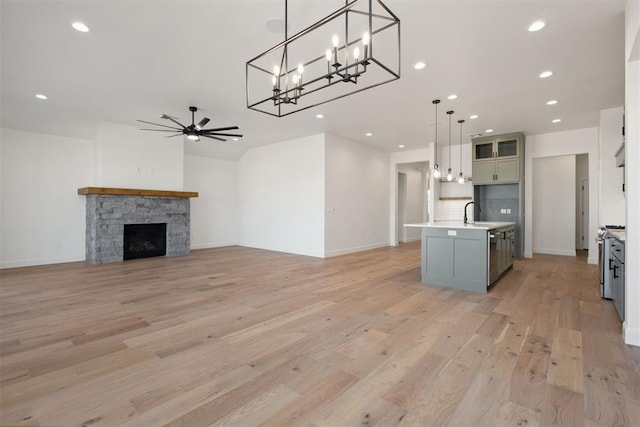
[{"x": 604, "y": 239}]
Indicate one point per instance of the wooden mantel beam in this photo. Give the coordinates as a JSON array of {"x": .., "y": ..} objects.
[{"x": 104, "y": 191}]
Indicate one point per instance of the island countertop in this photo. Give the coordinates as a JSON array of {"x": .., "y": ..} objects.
[{"x": 460, "y": 225}]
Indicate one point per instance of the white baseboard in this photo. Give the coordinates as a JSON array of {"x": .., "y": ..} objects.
[
  {"x": 40, "y": 261},
  {"x": 631, "y": 335},
  {"x": 412, "y": 239},
  {"x": 212, "y": 245},
  {"x": 338, "y": 252},
  {"x": 283, "y": 250},
  {"x": 592, "y": 260},
  {"x": 561, "y": 252},
  {"x": 528, "y": 254}
]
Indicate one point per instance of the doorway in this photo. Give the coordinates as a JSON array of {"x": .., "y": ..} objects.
[
  {"x": 582, "y": 201},
  {"x": 412, "y": 199},
  {"x": 402, "y": 203}
]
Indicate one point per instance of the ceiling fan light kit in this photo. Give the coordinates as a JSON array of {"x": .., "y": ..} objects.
[
  {"x": 194, "y": 131},
  {"x": 328, "y": 60}
]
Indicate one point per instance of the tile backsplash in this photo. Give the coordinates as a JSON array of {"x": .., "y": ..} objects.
[{"x": 452, "y": 210}]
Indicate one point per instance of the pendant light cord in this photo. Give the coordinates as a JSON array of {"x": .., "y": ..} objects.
[
  {"x": 436, "y": 102},
  {"x": 461, "y": 122},
  {"x": 450, "y": 113}
]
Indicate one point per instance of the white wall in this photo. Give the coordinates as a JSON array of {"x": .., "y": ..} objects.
[
  {"x": 415, "y": 209},
  {"x": 612, "y": 201},
  {"x": 553, "y": 205},
  {"x": 214, "y": 213},
  {"x": 130, "y": 158},
  {"x": 356, "y": 195},
  {"x": 631, "y": 326},
  {"x": 395, "y": 163},
  {"x": 42, "y": 217},
  {"x": 281, "y": 196},
  {"x": 571, "y": 142}
]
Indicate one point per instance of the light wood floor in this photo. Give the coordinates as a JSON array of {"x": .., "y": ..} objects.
[{"x": 238, "y": 336}]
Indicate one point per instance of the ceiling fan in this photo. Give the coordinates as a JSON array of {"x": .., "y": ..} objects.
[{"x": 193, "y": 131}]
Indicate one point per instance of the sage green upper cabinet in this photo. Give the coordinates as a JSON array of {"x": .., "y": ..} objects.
[{"x": 498, "y": 159}]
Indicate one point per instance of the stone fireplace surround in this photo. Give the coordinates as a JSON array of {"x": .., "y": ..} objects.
[{"x": 109, "y": 209}]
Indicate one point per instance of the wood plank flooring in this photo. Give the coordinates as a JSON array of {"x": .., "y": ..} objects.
[{"x": 240, "y": 336}]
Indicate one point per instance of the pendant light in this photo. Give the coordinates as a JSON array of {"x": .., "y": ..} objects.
[
  {"x": 461, "y": 175},
  {"x": 436, "y": 170},
  {"x": 449, "y": 174}
]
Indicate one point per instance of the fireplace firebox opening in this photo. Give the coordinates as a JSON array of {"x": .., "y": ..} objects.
[{"x": 144, "y": 240}]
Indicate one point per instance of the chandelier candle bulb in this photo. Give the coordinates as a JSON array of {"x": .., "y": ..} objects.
[
  {"x": 365, "y": 44},
  {"x": 356, "y": 58},
  {"x": 276, "y": 75},
  {"x": 327, "y": 55},
  {"x": 300, "y": 71},
  {"x": 335, "y": 41}
]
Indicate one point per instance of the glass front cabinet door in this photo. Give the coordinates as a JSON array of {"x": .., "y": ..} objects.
[
  {"x": 507, "y": 148},
  {"x": 483, "y": 150}
]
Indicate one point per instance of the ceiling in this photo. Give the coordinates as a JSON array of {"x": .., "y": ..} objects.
[{"x": 142, "y": 59}]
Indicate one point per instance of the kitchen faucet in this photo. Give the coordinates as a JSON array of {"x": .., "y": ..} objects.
[{"x": 465, "y": 210}]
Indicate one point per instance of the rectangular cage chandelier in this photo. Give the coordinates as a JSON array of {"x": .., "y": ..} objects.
[{"x": 331, "y": 59}]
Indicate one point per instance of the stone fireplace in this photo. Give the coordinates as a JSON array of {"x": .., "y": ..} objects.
[{"x": 109, "y": 210}]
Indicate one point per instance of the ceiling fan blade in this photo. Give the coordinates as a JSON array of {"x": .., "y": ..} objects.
[
  {"x": 212, "y": 137},
  {"x": 219, "y": 129},
  {"x": 202, "y": 123},
  {"x": 164, "y": 116},
  {"x": 158, "y": 124},
  {"x": 171, "y": 136},
  {"x": 164, "y": 130},
  {"x": 221, "y": 134}
]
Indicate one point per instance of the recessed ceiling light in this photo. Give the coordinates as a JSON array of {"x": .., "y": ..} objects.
[
  {"x": 536, "y": 26},
  {"x": 556, "y": 120},
  {"x": 545, "y": 74},
  {"x": 452, "y": 96},
  {"x": 41, "y": 96},
  {"x": 552, "y": 102},
  {"x": 319, "y": 116},
  {"x": 489, "y": 130},
  {"x": 475, "y": 116},
  {"x": 400, "y": 146},
  {"x": 275, "y": 25},
  {"x": 368, "y": 134},
  {"x": 80, "y": 26},
  {"x": 419, "y": 65}
]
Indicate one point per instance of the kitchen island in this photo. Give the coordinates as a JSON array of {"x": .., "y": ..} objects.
[{"x": 468, "y": 256}]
